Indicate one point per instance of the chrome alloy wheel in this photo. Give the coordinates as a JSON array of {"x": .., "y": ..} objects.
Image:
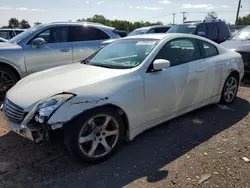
[
  {"x": 230, "y": 89},
  {"x": 98, "y": 136},
  {"x": 6, "y": 82}
]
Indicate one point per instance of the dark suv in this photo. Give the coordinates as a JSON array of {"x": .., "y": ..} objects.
[{"x": 215, "y": 30}]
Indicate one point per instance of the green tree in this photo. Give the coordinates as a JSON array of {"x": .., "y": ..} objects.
[
  {"x": 37, "y": 23},
  {"x": 118, "y": 24},
  {"x": 13, "y": 23},
  {"x": 244, "y": 20},
  {"x": 24, "y": 24}
]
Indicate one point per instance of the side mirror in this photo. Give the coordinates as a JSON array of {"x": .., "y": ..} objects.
[
  {"x": 37, "y": 42},
  {"x": 160, "y": 64},
  {"x": 201, "y": 33}
]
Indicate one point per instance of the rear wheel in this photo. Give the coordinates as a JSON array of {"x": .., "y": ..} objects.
[
  {"x": 8, "y": 79},
  {"x": 230, "y": 89},
  {"x": 94, "y": 136}
]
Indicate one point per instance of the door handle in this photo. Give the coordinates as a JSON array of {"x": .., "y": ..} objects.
[
  {"x": 65, "y": 50},
  {"x": 201, "y": 69}
]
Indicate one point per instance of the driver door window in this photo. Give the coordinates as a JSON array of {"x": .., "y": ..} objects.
[
  {"x": 54, "y": 35},
  {"x": 180, "y": 51},
  {"x": 55, "y": 52}
]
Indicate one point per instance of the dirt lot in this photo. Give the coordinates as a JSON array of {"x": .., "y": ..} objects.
[{"x": 205, "y": 148}]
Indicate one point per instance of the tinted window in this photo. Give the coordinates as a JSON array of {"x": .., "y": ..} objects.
[
  {"x": 4, "y": 34},
  {"x": 53, "y": 35},
  {"x": 18, "y": 32},
  {"x": 151, "y": 31},
  {"x": 223, "y": 31},
  {"x": 161, "y": 29},
  {"x": 212, "y": 32},
  {"x": 180, "y": 51},
  {"x": 185, "y": 28},
  {"x": 201, "y": 28},
  {"x": 138, "y": 32},
  {"x": 209, "y": 49},
  {"x": 81, "y": 33}
]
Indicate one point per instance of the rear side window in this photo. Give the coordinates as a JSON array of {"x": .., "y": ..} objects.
[
  {"x": 18, "y": 32},
  {"x": 208, "y": 49},
  {"x": 223, "y": 30},
  {"x": 201, "y": 28},
  {"x": 4, "y": 34},
  {"x": 81, "y": 33},
  {"x": 212, "y": 31},
  {"x": 161, "y": 29}
]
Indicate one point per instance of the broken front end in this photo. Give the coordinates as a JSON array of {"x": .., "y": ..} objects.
[{"x": 33, "y": 125}]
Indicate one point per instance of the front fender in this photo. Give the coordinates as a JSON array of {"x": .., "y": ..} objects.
[{"x": 73, "y": 108}]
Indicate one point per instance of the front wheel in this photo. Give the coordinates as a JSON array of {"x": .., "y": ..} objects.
[
  {"x": 95, "y": 135},
  {"x": 230, "y": 89},
  {"x": 7, "y": 80}
]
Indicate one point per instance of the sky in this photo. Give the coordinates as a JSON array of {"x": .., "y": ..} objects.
[{"x": 133, "y": 10}]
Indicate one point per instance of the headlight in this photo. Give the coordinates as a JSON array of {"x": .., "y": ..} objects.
[{"x": 44, "y": 109}]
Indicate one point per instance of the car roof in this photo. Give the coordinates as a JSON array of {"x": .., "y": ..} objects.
[
  {"x": 79, "y": 23},
  {"x": 160, "y": 36},
  {"x": 11, "y": 29},
  {"x": 153, "y": 26}
]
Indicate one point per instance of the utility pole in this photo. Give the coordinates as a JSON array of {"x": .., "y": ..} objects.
[
  {"x": 238, "y": 11},
  {"x": 184, "y": 17},
  {"x": 173, "y": 18}
]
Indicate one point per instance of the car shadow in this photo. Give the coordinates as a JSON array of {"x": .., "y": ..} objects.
[{"x": 52, "y": 166}]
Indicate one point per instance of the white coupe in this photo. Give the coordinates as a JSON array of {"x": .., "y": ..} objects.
[{"x": 125, "y": 88}]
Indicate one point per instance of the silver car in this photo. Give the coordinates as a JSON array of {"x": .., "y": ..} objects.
[
  {"x": 10, "y": 33},
  {"x": 49, "y": 45},
  {"x": 150, "y": 29}
]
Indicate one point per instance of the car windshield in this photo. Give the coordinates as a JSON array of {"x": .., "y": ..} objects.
[
  {"x": 243, "y": 34},
  {"x": 138, "y": 32},
  {"x": 24, "y": 34},
  {"x": 189, "y": 29},
  {"x": 123, "y": 54}
]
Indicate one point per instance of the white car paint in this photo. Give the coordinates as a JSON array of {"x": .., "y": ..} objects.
[{"x": 147, "y": 98}]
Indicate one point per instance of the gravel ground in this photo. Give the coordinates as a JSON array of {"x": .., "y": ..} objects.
[{"x": 206, "y": 148}]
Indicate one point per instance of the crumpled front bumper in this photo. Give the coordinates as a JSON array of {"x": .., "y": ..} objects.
[{"x": 17, "y": 128}]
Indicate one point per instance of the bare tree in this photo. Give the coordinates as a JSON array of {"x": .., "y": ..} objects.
[{"x": 211, "y": 15}]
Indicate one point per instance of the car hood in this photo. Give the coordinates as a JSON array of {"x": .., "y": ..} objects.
[
  {"x": 237, "y": 45},
  {"x": 7, "y": 45},
  {"x": 31, "y": 89}
]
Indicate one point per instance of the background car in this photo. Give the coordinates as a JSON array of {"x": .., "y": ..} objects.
[
  {"x": 121, "y": 33},
  {"x": 150, "y": 29},
  {"x": 240, "y": 42},
  {"x": 10, "y": 33},
  {"x": 3, "y": 40},
  {"x": 215, "y": 30},
  {"x": 127, "y": 87},
  {"x": 49, "y": 45}
]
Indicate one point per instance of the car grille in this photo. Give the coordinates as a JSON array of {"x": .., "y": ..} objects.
[
  {"x": 13, "y": 112},
  {"x": 245, "y": 57}
]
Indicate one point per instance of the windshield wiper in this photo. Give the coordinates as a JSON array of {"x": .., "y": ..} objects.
[{"x": 109, "y": 66}]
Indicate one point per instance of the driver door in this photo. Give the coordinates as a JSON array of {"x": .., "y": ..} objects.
[
  {"x": 181, "y": 85},
  {"x": 56, "y": 52}
]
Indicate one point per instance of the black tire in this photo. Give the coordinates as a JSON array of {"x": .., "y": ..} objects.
[
  {"x": 223, "y": 99},
  {"x": 8, "y": 74},
  {"x": 72, "y": 131}
]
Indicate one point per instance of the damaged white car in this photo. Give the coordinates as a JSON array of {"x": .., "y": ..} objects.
[{"x": 130, "y": 85}]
